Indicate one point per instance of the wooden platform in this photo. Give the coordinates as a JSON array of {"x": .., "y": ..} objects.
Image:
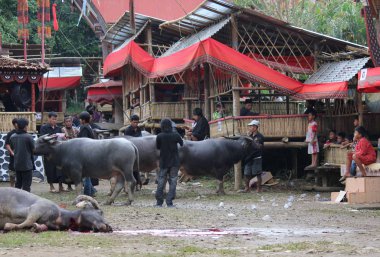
[{"x": 361, "y": 190}]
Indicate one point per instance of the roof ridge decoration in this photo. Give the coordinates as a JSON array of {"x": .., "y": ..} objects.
[
  {"x": 197, "y": 37},
  {"x": 337, "y": 71}
]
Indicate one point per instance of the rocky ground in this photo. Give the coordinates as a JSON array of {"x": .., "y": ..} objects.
[{"x": 282, "y": 221}]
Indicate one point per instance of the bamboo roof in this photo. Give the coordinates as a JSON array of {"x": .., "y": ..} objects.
[
  {"x": 10, "y": 64},
  {"x": 337, "y": 71}
]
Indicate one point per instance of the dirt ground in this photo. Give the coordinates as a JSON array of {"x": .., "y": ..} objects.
[{"x": 203, "y": 224}]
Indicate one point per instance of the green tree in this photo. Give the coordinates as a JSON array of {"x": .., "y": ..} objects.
[
  {"x": 68, "y": 41},
  {"x": 337, "y": 18}
]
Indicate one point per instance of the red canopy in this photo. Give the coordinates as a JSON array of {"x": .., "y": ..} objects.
[
  {"x": 61, "y": 78},
  {"x": 223, "y": 57},
  {"x": 105, "y": 92},
  {"x": 287, "y": 63},
  {"x": 369, "y": 80}
]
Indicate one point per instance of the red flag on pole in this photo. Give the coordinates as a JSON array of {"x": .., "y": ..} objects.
[{"x": 55, "y": 21}]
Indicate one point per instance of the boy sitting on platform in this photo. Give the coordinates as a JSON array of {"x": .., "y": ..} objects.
[
  {"x": 341, "y": 138},
  {"x": 364, "y": 154},
  {"x": 332, "y": 139}
]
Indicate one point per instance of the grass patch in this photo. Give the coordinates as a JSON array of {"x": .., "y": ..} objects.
[
  {"x": 312, "y": 247},
  {"x": 54, "y": 239}
]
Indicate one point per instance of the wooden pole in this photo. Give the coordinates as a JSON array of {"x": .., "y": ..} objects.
[
  {"x": 287, "y": 105},
  {"x": 360, "y": 108},
  {"x": 206, "y": 86},
  {"x": 33, "y": 109},
  {"x": 236, "y": 97},
  {"x": 149, "y": 41}
]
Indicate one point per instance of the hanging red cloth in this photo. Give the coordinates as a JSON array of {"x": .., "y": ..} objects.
[{"x": 55, "y": 21}]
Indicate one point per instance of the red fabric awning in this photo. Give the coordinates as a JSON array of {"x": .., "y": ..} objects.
[
  {"x": 105, "y": 92},
  {"x": 223, "y": 57},
  {"x": 61, "y": 78},
  {"x": 64, "y": 83},
  {"x": 303, "y": 64},
  {"x": 369, "y": 80}
]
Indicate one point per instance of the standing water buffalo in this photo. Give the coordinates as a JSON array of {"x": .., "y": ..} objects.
[
  {"x": 84, "y": 157},
  {"x": 213, "y": 157},
  {"x": 23, "y": 210},
  {"x": 148, "y": 153}
]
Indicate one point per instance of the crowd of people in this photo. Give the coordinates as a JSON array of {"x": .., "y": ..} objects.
[
  {"x": 360, "y": 150},
  {"x": 21, "y": 145}
]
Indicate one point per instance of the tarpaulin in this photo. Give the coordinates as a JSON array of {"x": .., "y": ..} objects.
[
  {"x": 223, "y": 57},
  {"x": 105, "y": 92},
  {"x": 369, "y": 80},
  {"x": 61, "y": 78}
]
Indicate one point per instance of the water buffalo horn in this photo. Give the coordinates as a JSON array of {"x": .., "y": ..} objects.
[
  {"x": 232, "y": 137},
  {"x": 84, "y": 198}
]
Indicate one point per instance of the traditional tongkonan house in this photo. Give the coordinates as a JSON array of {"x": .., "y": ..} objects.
[
  {"x": 18, "y": 95},
  {"x": 227, "y": 54}
]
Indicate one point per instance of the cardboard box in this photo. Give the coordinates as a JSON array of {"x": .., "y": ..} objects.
[
  {"x": 363, "y": 184},
  {"x": 334, "y": 195},
  {"x": 356, "y": 198},
  {"x": 354, "y": 185}
]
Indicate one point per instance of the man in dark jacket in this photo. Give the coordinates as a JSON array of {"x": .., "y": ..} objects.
[
  {"x": 201, "y": 129},
  {"x": 247, "y": 108},
  {"x": 86, "y": 131},
  {"x": 167, "y": 142},
  {"x": 52, "y": 174},
  {"x": 254, "y": 161},
  {"x": 133, "y": 130},
  {"x": 23, "y": 145},
  {"x": 11, "y": 169}
]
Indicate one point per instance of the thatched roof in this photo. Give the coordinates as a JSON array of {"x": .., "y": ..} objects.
[{"x": 11, "y": 64}]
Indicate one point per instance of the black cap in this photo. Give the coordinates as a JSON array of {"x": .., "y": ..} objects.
[{"x": 85, "y": 116}]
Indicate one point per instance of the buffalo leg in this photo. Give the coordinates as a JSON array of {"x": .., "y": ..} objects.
[
  {"x": 131, "y": 188},
  {"x": 78, "y": 187},
  {"x": 112, "y": 185},
  {"x": 33, "y": 215},
  {"x": 146, "y": 176},
  {"x": 220, "y": 190},
  {"x": 120, "y": 181}
]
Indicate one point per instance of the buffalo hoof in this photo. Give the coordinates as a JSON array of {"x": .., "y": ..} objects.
[
  {"x": 37, "y": 228},
  {"x": 128, "y": 203},
  {"x": 146, "y": 182},
  {"x": 108, "y": 202},
  {"x": 9, "y": 227},
  {"x": 220, "y": 193}
]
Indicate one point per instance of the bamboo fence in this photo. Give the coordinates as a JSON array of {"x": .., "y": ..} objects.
[{"x": 7, "y": 117}]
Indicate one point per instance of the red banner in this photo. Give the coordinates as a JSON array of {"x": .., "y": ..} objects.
[{"x": 220, "y": 56}]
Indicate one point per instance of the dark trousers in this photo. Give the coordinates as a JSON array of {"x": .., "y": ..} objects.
[
  {"x": 162, "y": 176},
  {"x": 24, "y": 180}
]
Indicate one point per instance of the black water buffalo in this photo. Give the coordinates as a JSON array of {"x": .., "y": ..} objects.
[
  {"x": 148, "y": 153},
  {"x": 84, "y": 157},
  {"x": 23, "y": 210},
  {"x": 214, "y": 157}
]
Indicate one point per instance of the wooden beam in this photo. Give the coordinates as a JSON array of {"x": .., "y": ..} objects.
[
  {"x": 206, "y": 86},
  {"x": 360, "y": 108},
  {"x": 236, "y": 97},
  {"x": 149, "y": 42}
]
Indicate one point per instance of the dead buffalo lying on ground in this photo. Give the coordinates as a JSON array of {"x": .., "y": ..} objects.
[
  {"x": 84, "y": 157},
  {"x": 23, "y": 210},
  {"x": 213, "y": 157}
]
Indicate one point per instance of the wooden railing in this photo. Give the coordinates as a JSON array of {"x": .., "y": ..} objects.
[
  {"x": 7, "y": 117},
  {"x": 174, "y": 111},
  {"x": 276, "y": 126},
  {"x": 60, "y": 117},
  {"x": 335, "y": 155}
]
